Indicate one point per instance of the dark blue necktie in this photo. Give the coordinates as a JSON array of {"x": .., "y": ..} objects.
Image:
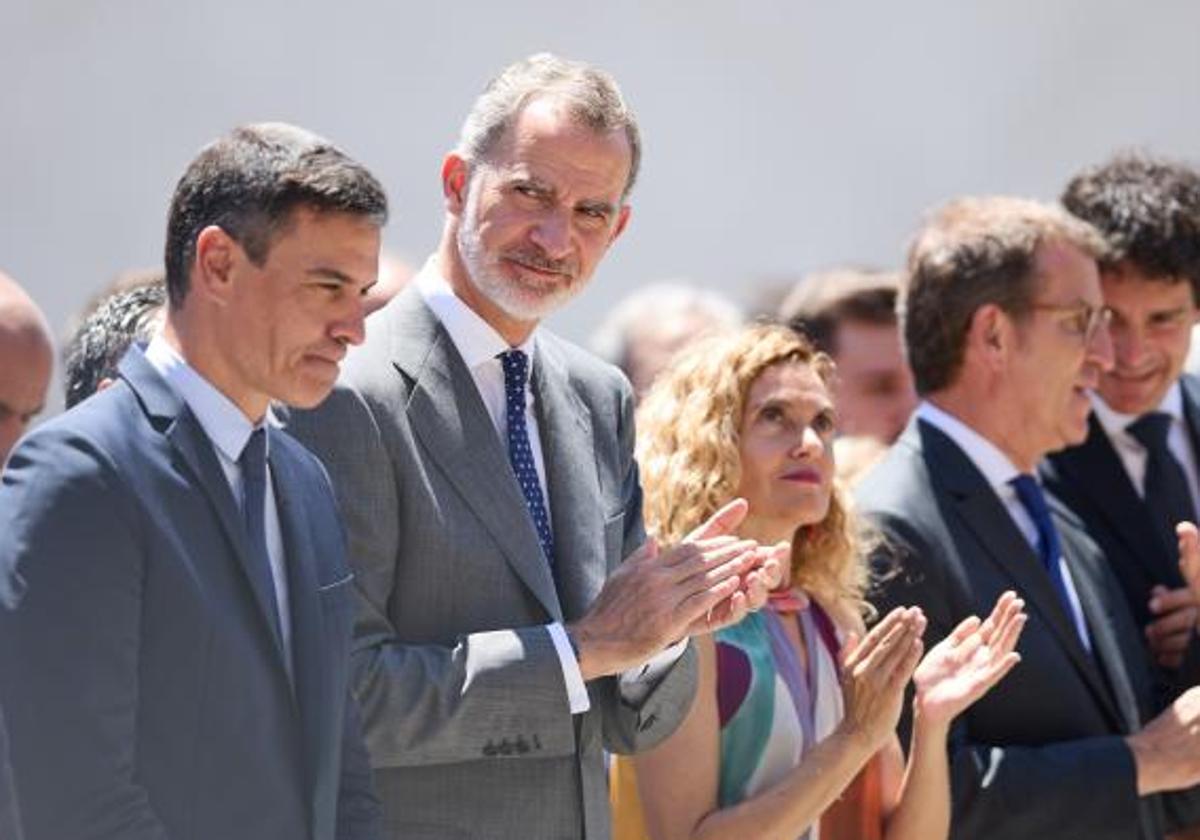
[
  {"x": 253, "y": 462},
  {"x": 520, "y": 455},
  {"x": 1030, "y": 494},
  {"x": 1168, "y": 497}
]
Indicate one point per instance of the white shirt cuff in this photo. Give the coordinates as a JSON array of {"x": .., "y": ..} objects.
[
  {"x": 577, "y": 694},
  {"x": 636, "y": 683}
]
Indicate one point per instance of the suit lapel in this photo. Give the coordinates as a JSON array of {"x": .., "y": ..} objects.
[
  {"x": 1095, "y": 469},
  {"x": 309, "y": 666},
  {"x": 194, "y": 448},
  {"x": 565, "y": 425},
  {"x": 448, "y": 416},
  {"x": 979, "y": 508},
  {"x": 1087, "y": 574}
]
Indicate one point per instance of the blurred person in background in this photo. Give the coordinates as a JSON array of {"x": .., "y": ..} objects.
[
  {"x": 647, "y": 327},
  {"x": 776, "y": 732},
  {"x": 1135, "y": 477},
  {"x": 26, "y": 362},
  {"x": 850, "y": 315},
  {"x": 123, "y": 318}
]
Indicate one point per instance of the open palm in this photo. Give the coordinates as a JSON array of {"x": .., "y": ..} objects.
[{"x": 975, "y": 656}]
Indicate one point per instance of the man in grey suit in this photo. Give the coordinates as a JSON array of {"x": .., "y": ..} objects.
[
  {"x": 177, "y": 666},
  {"x": 485, "y": 469},
  {"x": 1006, "y": 330}
]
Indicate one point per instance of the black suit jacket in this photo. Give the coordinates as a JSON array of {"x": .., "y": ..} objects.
[
  {"x": 1042, "y": 755},
  {"x": 145, "y": 691},
  {"x": 1092, "y": 481}
]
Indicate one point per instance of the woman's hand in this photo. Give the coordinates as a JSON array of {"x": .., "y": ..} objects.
[
  {"x": 966, "y": 664},
  {"x": 875, "y": 671}
]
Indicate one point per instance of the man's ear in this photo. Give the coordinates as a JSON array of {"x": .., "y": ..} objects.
[
  {"x": 456, "y": 172},
  {"x": 990, "y": 334},
  {"x": 212, "y": 272},
  {"x": 622, "y": 222}
]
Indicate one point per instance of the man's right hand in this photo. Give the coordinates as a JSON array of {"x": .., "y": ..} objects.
[
  {"x": 1167, "y": 750},
  {"x": 656, "y": 597}
]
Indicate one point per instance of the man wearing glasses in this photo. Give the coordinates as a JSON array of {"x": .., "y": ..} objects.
[
  {"x": 1005, "y": 328},
  {"x": 1135, "y": 476}
]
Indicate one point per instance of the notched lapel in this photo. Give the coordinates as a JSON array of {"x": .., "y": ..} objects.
[
  {"x": 309, "y": 661},
  {"x": 1096, "y": 471},
  {"x": 195, "y": 450},
  {"x": 999, "y": 539},
  {"x": 448, "y": 416},
  {"x": 566, "y": 431}
]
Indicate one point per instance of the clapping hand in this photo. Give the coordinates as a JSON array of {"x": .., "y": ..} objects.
[
  {"x": 1189, "y": 557},
  {"x": 966, "y": 664},
  {"x": 874, "y": 672}
]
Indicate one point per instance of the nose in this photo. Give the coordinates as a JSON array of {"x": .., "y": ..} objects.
[
  {"x": 1100, "y": 349},
  {"x": 809, "y": 445},
  {"x": 351, "y": 327},
  {"x": 1128, "y": 346},
  {"x": 552, "y": 233}
]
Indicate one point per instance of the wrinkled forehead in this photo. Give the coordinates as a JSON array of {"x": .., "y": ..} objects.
[{"x": 545, "y": 140}]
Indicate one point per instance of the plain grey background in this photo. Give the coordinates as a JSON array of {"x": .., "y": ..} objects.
[{"x": 780, "y": 136}]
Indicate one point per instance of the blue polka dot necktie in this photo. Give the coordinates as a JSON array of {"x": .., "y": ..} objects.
[{"x": 520, "y": 455}]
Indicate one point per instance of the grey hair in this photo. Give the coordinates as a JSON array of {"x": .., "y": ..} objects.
[{"x": 590, "y": 94}]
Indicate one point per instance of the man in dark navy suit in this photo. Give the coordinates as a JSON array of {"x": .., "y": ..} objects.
[
  {"x": 1135, "y": 476},
  {"x": 177, "y": 664}
]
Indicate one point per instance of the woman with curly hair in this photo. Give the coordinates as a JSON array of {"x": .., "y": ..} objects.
[{"x": 795, "y": 700}]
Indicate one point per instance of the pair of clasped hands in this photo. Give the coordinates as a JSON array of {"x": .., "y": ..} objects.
[{"x": 713, "y": 578}]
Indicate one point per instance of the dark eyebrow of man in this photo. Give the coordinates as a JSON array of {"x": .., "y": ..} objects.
[
  {"x": 327, "y": 273},
  {"x": 605, "y": 207}
]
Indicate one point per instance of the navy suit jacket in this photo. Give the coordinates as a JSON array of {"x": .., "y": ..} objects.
[
  {"x": 1091, "y": 480},
  {"x": 146, "y": 693},
  {"x": 1042, "y": 755}
]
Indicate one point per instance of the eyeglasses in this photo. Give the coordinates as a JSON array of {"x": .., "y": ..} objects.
[{"x": 1084, "y": 320}]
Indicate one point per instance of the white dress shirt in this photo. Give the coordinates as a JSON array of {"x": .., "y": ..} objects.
[
  {"x": 228, "y": 429},
  {"x": 479, "y": 345},
  {"x": 1130, "y": 450},
  {"x": 998, "y": 470}
]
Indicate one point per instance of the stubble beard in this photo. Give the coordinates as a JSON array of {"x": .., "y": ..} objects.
[{"x": 517, "y": 301}]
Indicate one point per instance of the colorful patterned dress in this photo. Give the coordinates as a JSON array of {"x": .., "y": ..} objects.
[{"x": 772, "y": 707}]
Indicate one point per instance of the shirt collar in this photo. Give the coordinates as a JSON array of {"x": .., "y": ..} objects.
[
  {"x": 224, "y": 423},
  {"x": 997, "y": 468},
  {"x": 474, "y": 338},
  {"x": 1115, "y": 422}
]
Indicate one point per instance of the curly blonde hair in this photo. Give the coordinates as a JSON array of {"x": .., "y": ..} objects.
[{"x": 687, "y": 450}]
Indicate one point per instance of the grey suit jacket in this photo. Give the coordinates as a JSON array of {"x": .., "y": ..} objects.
[
  {"x": 145, "y": 690},
  {"x": 1042, "y": 755},
  {"x": 465, "y": 708}
]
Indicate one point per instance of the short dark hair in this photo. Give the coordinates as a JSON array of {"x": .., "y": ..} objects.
[
  {"x": 249, "y": 182},
  {"x": 822, "y": 301},
  {"x": 970, "y": 253},
  {"x": 97, "y": 346},
  {"x": 1148, "y": 209}
]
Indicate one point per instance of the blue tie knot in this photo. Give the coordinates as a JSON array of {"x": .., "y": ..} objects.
[
  {"x": 1030, "y": 494},
  {"x": 516, "y": 370}
]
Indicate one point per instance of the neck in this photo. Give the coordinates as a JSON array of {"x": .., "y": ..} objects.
[
  {"x": 202, "y": 350},
  {"x": 985, "y": 414},
  {"x": 450, "y": 261}
]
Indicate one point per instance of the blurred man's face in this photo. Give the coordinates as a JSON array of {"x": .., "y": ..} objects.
[
  {"x": 25, "y": 363},
  {"x": 1152, "y": 321},
  {"x": 541, "y": 211},
  {"x": 875, "y": 394}
]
